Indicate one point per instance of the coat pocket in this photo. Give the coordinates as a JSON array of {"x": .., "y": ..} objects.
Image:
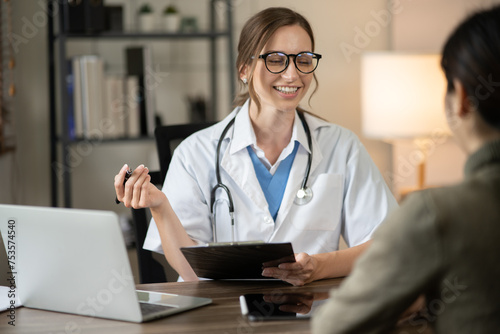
[{"x": 324, "y": 211}]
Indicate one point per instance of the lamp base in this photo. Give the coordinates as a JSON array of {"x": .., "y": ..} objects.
[{"x": 420, "y": 181}]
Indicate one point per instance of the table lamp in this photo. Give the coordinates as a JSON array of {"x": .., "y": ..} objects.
[{"x": 403, "y": 98}]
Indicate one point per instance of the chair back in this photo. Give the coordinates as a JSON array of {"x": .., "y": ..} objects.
[{"x": 169, "y": 136}]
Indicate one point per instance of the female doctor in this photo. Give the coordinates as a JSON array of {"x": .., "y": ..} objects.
[{"x": 288, "y": 175}]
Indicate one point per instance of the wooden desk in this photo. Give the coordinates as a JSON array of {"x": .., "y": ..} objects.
[{"x": 223, "y": 316}]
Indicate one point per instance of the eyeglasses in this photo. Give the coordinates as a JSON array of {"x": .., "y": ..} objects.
[{"x": 277, "y": 62}]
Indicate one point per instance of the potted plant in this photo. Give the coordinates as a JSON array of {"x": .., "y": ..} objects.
[
  {"x": 171, "y": 18},
  {"x": 146, "y": 18}
]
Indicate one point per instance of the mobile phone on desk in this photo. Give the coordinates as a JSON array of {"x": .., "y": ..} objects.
[{"x": 277, "y": 305}]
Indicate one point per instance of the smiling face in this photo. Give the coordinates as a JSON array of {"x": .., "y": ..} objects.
[{"x": 285, "y": 90}]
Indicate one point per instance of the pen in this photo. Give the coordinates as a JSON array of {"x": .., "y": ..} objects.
[{"x": 127, "y": 175}]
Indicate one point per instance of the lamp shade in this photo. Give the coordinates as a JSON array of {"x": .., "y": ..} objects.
[{"x": 402, "y": 95}]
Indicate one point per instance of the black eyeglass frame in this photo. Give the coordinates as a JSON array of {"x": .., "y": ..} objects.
[{"x": 315, "y": 55}]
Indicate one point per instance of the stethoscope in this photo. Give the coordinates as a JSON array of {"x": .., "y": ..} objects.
[{"x": 303, "y": 196}]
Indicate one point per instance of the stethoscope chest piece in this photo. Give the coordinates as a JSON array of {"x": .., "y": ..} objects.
[{"x": 304, "y": 196}]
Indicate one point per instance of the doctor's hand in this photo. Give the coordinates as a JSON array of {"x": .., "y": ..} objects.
[
  {"x": 138, "y": 191},
  {"x": 296, "y": 273}
]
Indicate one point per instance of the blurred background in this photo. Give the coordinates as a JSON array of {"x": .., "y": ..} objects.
[{"x": 344, "y": 30}]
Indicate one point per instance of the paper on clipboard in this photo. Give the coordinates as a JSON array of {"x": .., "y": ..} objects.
[{"x": 237, "y": 260}]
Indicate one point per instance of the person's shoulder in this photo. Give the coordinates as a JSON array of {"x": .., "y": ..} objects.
[
  {"x": 466, "y": 196},
  {"x": 451, "y": 205},
  {"x": 433, "y": 199},
  {"x": 467, "y": 191}
]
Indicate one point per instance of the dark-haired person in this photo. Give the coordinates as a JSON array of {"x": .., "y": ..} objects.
[
  {"x": 265, "y": 155},
  {"x": 441, "y": 243}
]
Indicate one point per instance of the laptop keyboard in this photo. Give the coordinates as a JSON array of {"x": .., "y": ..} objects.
[{"x": 147, "y": 308}]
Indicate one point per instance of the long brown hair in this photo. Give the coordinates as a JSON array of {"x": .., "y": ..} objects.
[{"x": 254, "y": 36}]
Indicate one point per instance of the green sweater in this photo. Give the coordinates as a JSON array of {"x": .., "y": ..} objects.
[{"x": 443, "y": 243}]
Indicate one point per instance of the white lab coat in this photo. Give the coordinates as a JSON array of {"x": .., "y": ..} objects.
[{"x": 350, "y": 196}]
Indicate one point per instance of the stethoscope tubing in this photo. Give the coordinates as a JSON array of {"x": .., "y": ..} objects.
[{"x": 221, "y": 185}]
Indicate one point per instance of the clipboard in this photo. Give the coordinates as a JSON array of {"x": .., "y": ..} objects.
[{"x": 237, "y": 260}]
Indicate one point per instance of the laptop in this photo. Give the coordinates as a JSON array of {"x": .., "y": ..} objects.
[{"x": 75, "y": 261}]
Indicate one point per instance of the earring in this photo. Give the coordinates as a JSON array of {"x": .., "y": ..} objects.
[{"x": 244, "y": 80}]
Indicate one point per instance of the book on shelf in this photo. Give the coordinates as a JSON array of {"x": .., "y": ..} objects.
[
  {"x": 132, "y": 116},
  {"x": 92, "y": 97},
  {"x": 70, "y": 86},
  {"x": 101, "y": 105},
  {"x": 114, "y": 106},
  {"x": 139, "y": 63},
  {"x": 73, "y": 16},
  {"x": 87, "y": 96},
  {"x": 121, "y": 106},
  {"x": 79, "y": 16},
  {"x": 76, "y": 101}
]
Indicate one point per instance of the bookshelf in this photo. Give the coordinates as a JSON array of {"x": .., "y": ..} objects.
[{"x": 59, "y": 101}]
